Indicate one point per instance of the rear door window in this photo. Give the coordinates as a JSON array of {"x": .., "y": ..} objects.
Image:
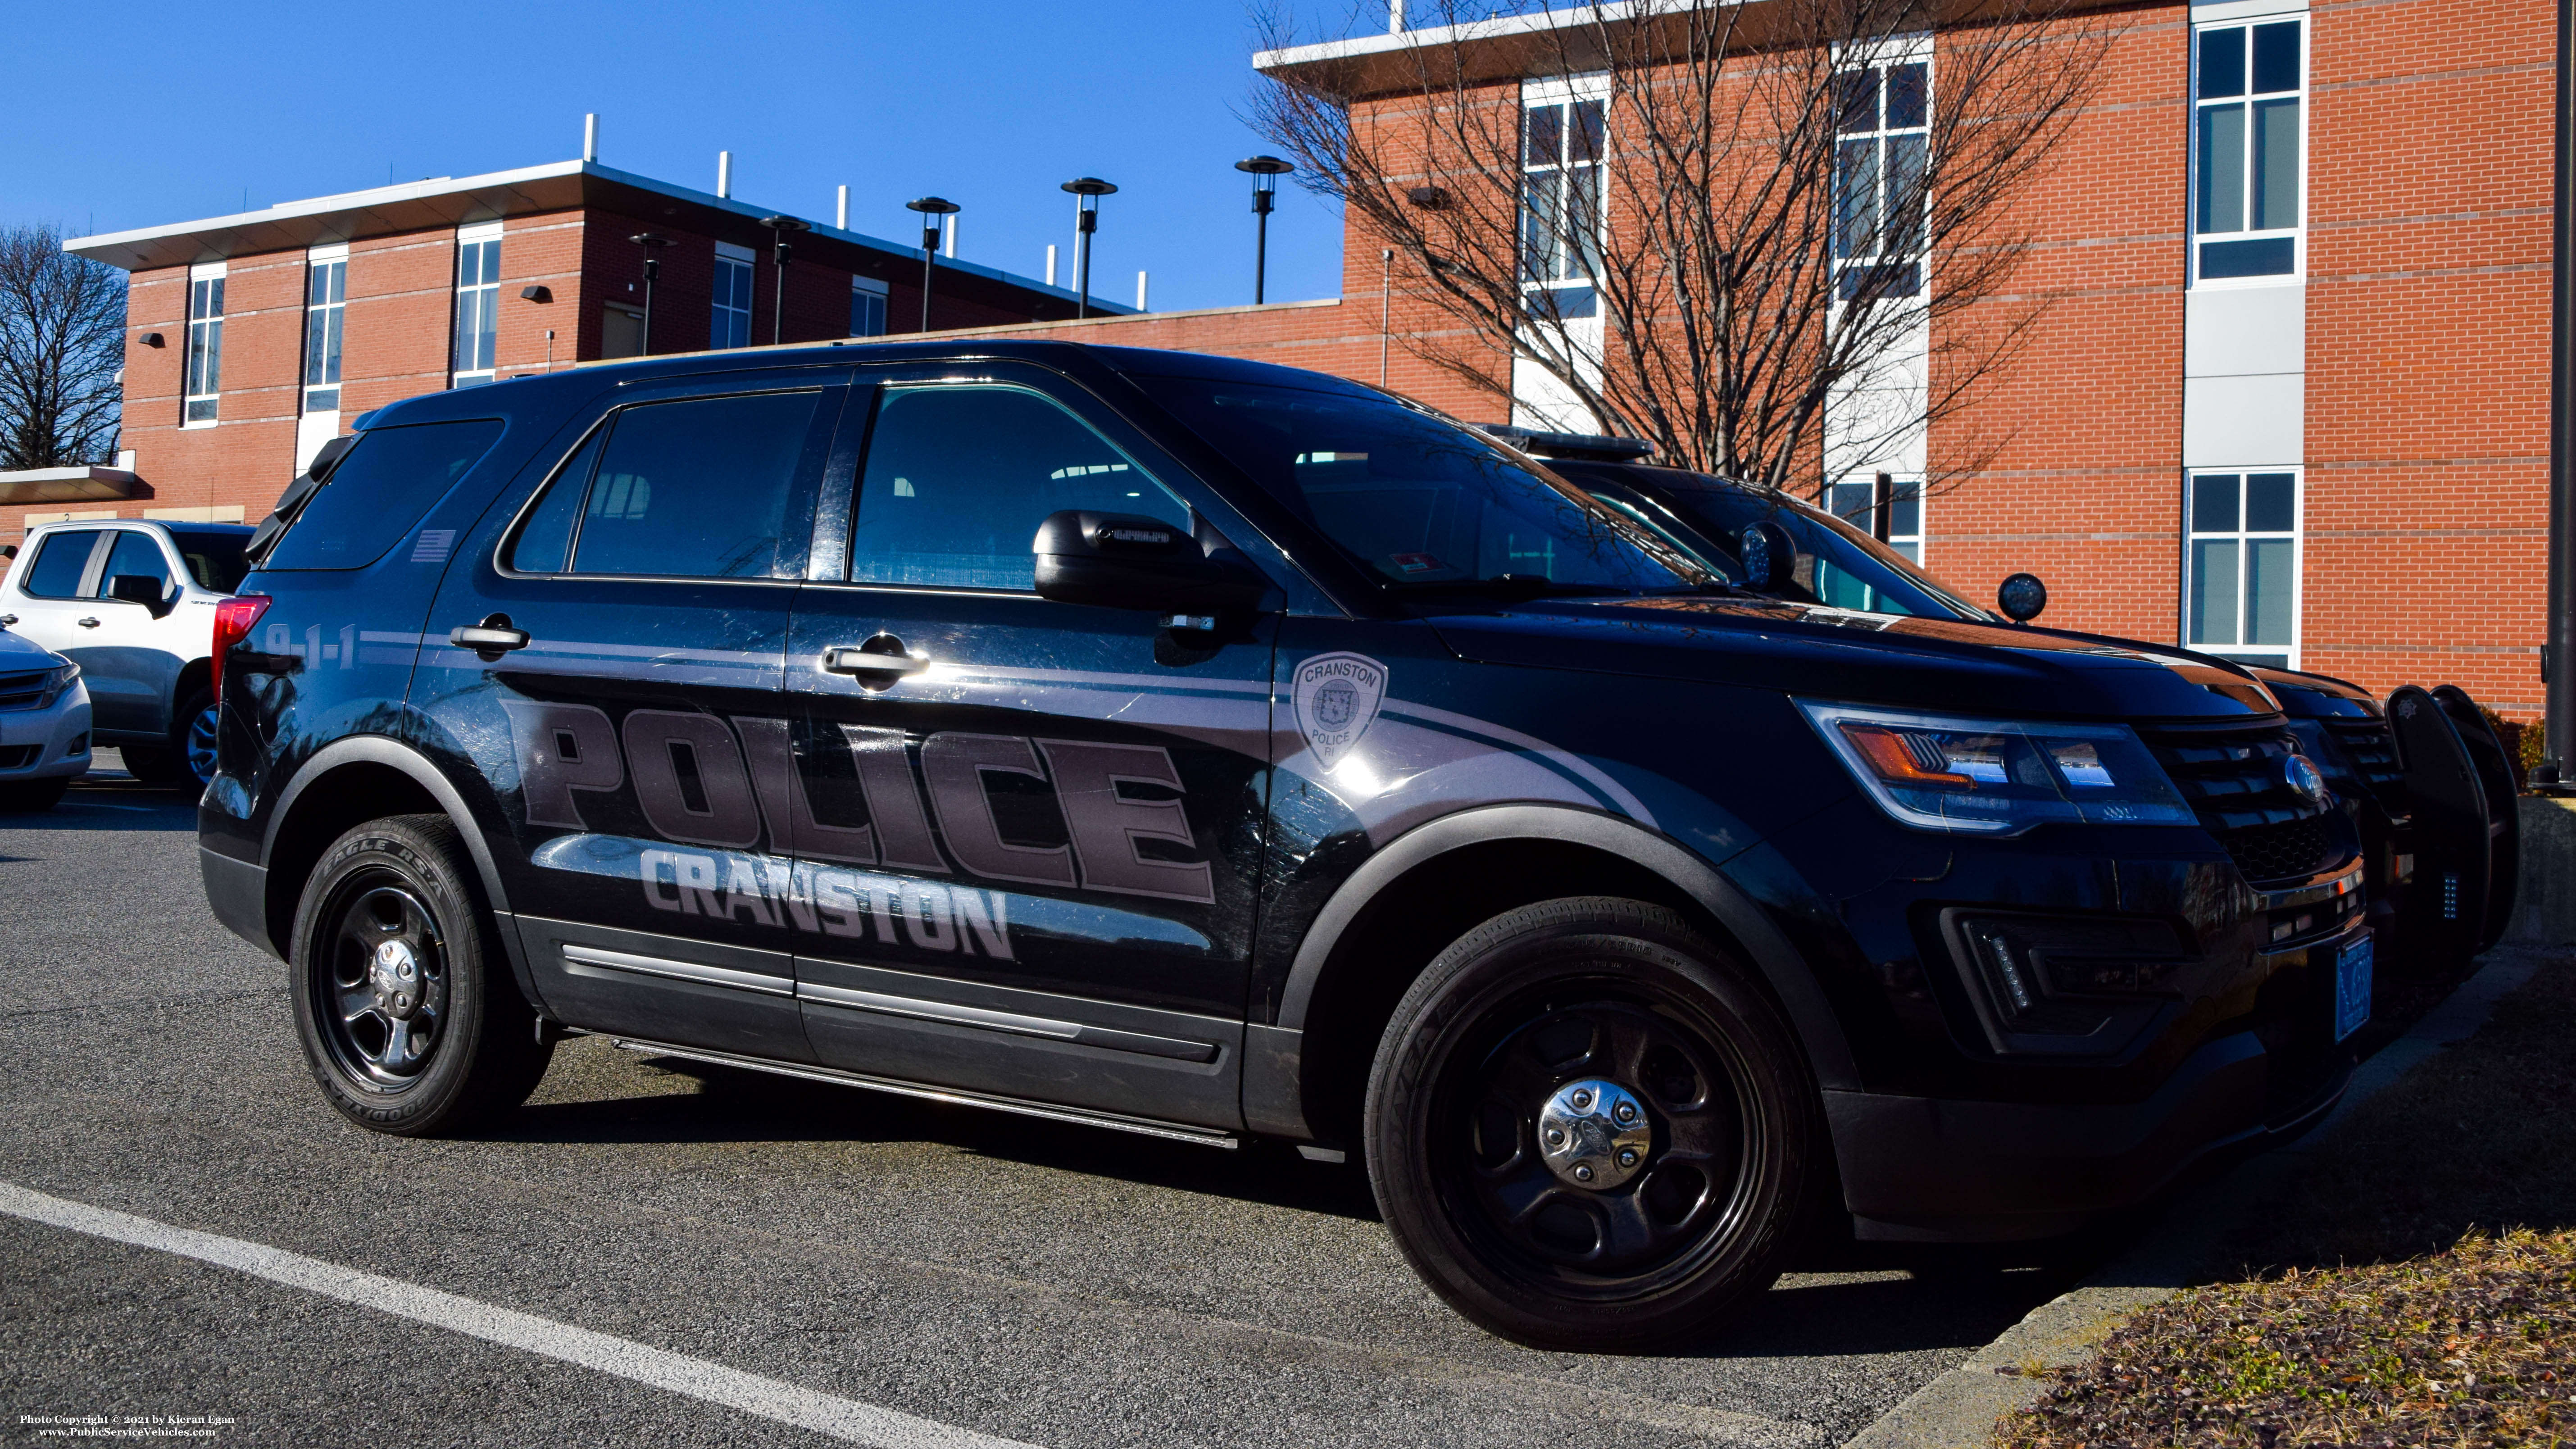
[
  {"x": 213, "y": 559},
  {"x": 699, "y": 488},
  {"x": 384, "y": 486},
  {"x": 60, "y": 561}
]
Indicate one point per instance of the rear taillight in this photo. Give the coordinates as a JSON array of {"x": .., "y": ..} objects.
[{"x": 233, "y": 620}]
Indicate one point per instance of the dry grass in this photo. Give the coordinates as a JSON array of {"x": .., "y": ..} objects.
[{"x": 2417, "y": 1287}]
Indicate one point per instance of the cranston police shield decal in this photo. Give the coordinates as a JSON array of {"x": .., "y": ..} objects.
[{"x": 1337, "y": 696}]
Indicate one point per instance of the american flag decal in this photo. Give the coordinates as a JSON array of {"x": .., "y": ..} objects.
[{"x": 433, "y": 546}]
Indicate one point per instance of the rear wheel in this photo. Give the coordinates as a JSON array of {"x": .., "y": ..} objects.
[
  {"x": 409, "y": 1017},
  {"x": 1588, "y": 1129},
  {"x": 188, "y": 760}
]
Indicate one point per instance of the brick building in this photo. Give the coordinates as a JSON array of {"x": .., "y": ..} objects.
[
  {"x": 2312, "y": 429},
  {"x": 2292, "y": 407},
  {"x": 252, "y": 339}
]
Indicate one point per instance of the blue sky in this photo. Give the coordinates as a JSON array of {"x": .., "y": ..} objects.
[{"x": 164, "y": 112}]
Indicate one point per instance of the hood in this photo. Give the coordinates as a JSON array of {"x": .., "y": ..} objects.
[
  {"x": 17, "y": 651},
  {"x": 2318, "y": 696},
  {"x": 1920, "y": 663}
]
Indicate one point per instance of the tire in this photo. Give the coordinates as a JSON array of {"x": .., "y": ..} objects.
[
  {"x": 1521, "y": 1013},
  {"x": 432, "y": 1037},
  {"x": 34, "y": 795},
  {"x": 187, "y": 761}
]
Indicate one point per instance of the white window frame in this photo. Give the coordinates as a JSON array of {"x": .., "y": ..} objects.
[
  {"x": 2245, "y": 18},
  {"x": 201, "y": 383},
  {"x": 878, "y": 311},
  {"x": 1881, "y": 138},
  {"x": 329, "y": 267},
  {"x": 2296, "y": 534},
  {"x": 723, "y": 315},
  {"x": 1574, "y": 275},
  {"x": 1904, "y": 490},
  {"x": 478, "y": 306}
]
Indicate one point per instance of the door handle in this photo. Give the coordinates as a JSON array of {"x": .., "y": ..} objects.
[
  {"x": 882, "y": 655},
  {"x": 490, "y": 639},
  {"x": 89, "y": 623},
  {"x": 7, "y": 619}
]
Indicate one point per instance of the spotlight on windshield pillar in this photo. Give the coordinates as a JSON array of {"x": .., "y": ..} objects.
[
  {"x": 1087, "y": 191},
  {"x": 932, "y": 208},
  {"x": 781, "y": 228},
  {"x": 1266, "y": 171},
  {"x": 652, "y": 246}
]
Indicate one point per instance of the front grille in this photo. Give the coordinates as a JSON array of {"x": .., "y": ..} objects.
[
  {"x": 2291, "y": 849},
  {"x": 2234, "y": 779},
  {"x": 21, "y": 691},
  {"x": 18, "y": 757},
  {"x": 2373, "y": 748}
]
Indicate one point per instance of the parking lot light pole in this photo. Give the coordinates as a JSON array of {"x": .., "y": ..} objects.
[
  {"x": 1087, "y": 191},
  {"x": 932, "y": 208},
  {"x": 781, "y": 228},
  {"x": 1266, "y": 171},
  {"x": 652, "y": 246}
]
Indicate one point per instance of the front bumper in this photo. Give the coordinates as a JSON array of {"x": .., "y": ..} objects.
[
  {"x": 1933, "y": 1169},
  {"x": 45, "y": 744}
]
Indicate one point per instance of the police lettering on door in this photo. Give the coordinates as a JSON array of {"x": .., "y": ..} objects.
[{"x": 698, "y": 780}]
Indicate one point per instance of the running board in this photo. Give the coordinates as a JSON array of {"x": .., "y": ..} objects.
[{"x": 1145, "y": 1126}]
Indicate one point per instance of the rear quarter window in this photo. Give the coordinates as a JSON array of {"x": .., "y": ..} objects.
[
  {"x": 61, "y": 558},
  {"x": 382, "y": 488}
]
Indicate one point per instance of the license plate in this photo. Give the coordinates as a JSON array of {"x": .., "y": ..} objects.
[{"x": 2352, "y": 987}]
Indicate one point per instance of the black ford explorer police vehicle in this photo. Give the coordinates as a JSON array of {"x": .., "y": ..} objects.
[{"x": 1221, "y": 751}]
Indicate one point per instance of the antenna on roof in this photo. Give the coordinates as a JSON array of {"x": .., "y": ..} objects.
[
  {"x": 841, "y": 213},
  {"x": 724, "y": 175},
  {"x": 590, "y": 136}
]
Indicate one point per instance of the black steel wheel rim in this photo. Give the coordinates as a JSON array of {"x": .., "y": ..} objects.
[
  {"x": 379, "y": 980},
  {"x": 1689, "y": 1197}
]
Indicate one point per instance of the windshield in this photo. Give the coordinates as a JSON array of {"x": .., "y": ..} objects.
[
  {"x": 1838, "y": 564},
  {"x": 214, "y": 557},
  {"x": 1416, "y": 499}
]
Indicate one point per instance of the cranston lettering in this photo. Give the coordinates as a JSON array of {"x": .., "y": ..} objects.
[
  {"x": 702, "y": 780},
  {"x": 829, "y": 901}
]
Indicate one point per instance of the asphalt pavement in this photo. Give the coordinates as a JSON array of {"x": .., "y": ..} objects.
[{"x": 856, "y": 1254}]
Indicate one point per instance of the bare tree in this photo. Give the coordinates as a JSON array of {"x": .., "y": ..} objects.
[
  {"x": 62, "y": 352},
  {"x": 1724, "y": 245}
]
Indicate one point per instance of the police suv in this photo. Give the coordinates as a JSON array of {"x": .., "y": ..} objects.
[{"x": 1223, "y": 752}]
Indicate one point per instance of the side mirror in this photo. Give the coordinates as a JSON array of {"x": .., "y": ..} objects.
[
  {"x": 2021, "y": 597},
  {"x": 1769, "y": 554},
  {"x": 140, "y": 589},
  {"x": 1124, "y": 561}
]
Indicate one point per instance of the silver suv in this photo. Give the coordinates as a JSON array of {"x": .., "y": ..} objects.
[{"x": 133, "y": 604}]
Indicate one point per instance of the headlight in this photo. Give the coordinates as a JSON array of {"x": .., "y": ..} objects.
[
  {"x": 1998, "y": 777},
  {"x": 55, "y": 683}
]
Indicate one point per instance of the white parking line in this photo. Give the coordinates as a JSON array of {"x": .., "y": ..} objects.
[{"x": 695, "y": 1377}]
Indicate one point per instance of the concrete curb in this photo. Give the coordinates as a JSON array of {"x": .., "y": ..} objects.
[{"x": 1959, "y": 1409}]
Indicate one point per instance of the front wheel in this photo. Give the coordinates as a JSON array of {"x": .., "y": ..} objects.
[
  {"x": 409, "y": 1017},
  {"x": 1588, "y": 1129}
]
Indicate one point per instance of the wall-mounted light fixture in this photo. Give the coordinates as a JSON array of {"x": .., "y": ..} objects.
[
  {"x": 1429, "y": 198},
  {"x": 535, "y": 294},
  {"x": 151, "y": 339}
]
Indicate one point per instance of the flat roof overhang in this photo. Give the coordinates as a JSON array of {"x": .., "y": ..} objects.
[
  {"x": 66, "y": 485},
  {"x": 557, "y": 186},
  {"x": 1551, "y": 42}
]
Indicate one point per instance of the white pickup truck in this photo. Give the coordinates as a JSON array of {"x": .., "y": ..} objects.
[{"x": 133, "y": 604}]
